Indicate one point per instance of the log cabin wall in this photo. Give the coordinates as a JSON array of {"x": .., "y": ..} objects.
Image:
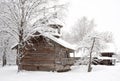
[
  {"x": 108, "y": 54},
  {"x": 107, "y": 61},
  {"x": 45, "y": 55}
]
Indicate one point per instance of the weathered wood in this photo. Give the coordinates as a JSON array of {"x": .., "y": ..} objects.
[
  {"x": 45, "y": 55},
  {"x": 107, "y": 61},
  {"x": 36, "y": 67}
]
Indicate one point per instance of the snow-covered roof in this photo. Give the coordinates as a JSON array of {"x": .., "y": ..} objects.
[
  {"x": 106, "y": 58},
  {"x": 46, "y": 29},
  {"x": 110, "y": 47},
  {"x": 59, "y": 41},
  {"x": 51, "y": 36},
  {"x": 14, "y": 45}
]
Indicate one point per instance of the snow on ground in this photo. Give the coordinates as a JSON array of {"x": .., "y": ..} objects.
[{"x": 99, "y": 73}]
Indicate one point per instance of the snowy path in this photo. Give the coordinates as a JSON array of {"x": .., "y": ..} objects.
[{"x": 100, "y": 73}]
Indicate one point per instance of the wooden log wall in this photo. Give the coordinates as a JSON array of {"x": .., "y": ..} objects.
[{"x": 45, "y": 56}]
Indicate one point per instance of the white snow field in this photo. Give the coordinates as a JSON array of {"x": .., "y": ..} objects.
[{"x": 78, "y": 73}]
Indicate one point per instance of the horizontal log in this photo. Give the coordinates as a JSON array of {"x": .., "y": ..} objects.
[
  {"x": 38, "y": 67},
  {"x": 38, "y": 61},
  {"x": 39, "y": 56},
  {"x": 45, "y": 67},
  {"x": 48, "y": 65}
]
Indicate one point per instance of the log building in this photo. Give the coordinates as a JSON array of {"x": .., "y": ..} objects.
[
  {"x": 107, "y": 55},
  {"x": 46, "y": 51}
]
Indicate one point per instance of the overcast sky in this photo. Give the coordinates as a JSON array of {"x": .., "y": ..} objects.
[{"x": 106, "y": 14}]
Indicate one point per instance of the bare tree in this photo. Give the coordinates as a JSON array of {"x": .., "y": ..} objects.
[
  {"x": 4, "y": 58},
  {"x": 90, "y": 59},
  {"x": 81, "y": 28},
  {"x": 22, "y": 16},
  {"x": 94, "y": 42},
  {"x": 107, "y": 36},
  {"x": 5, "y": 46}
]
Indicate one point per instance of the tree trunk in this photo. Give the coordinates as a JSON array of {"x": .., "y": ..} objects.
[
  {"x": 4, "y": 59},
  {"x": 21, "y": 31},
  {"x": 90, "y": 59},
  {"x": 20, "y": 48}
]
